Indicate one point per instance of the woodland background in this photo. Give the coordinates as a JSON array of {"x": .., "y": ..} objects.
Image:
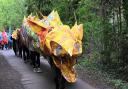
[{"x": 105, "y": 42}]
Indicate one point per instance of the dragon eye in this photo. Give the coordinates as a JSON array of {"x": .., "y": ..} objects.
[
  {"x": 58, "y": 50},
  {"x": 77, "y": 46}
]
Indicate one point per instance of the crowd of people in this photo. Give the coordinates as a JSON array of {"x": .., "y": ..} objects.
[
  {"x": 5, "y": 40},
  {"x": 23, "y": 48}
]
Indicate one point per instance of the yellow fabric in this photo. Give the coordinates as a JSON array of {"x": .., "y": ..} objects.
[
  {"x": 77, "y": 31},
  {"x": 14, "y": 34},
  {"x": 36, "y": 25},
  {"x": 54, "y": 19},
  {"x": 67, "y": 69},
  {"x": 63, "y": 37}
]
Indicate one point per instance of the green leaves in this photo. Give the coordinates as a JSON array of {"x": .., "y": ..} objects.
[{"x": 11, "y": 12}]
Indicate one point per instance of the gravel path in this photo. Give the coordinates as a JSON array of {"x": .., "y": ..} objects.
[
  {"x": 15, "y": 74},
  {"x": 9, "y": 78}
]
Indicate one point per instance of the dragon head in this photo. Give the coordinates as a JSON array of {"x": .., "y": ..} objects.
[{"x": 65, "y": 46}]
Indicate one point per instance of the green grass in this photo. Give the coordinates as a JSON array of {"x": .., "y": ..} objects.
[{"x": 109, "y": 75}]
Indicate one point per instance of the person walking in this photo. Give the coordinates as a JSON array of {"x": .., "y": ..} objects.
[
  {"x": 35, "y": 56},
  {"x": 5, "y": 40},
  {"x": 9, "y": 41},
  {"x": 1, "y": 38}
]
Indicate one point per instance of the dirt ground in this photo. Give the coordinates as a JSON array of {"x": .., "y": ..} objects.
[{"x": 93, "y": 79}]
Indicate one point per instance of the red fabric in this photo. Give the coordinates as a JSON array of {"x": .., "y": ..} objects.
[
  {"x": 42, "y": 35},
  {"x": 5, "y": 38}
]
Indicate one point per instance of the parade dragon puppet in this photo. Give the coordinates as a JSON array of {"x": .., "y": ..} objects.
[{"x": 52, "y": 38}]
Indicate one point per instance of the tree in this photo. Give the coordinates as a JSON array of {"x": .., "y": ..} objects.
[{"x": 11, "y": 13}]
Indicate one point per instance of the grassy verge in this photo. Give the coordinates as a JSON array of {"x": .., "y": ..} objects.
[{"x": 100, "y": 71}]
